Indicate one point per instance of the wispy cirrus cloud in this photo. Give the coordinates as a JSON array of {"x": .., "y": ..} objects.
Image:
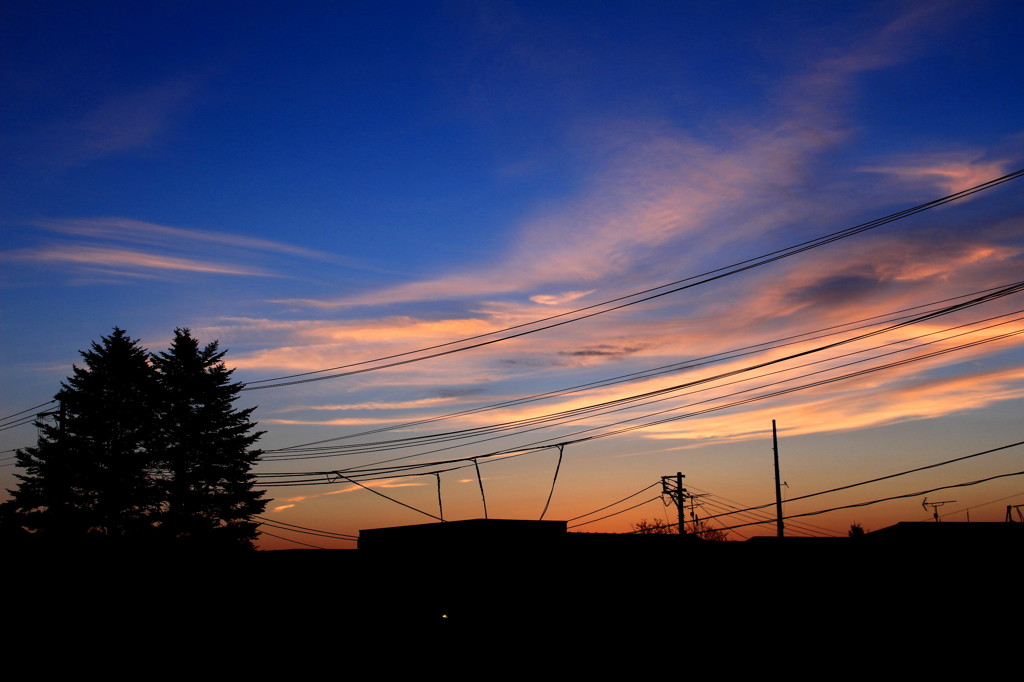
[
  {"x": 854, "y": 407},
  {"x": 665, "y": 201},
  {"x": 559, "y": 299},
  {"x": 837, "y": 285},
  {"x": 125, "y": 261},
  {"x": 119, "y": 122},
  {"x": 948, "y": 172},
  {"x": 123, "y": 247},
  {"x": 141, "y": 232}
]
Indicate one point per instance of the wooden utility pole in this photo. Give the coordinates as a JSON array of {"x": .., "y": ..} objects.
[
  {"x": 779, "y": 526},
  {"x": 678, "y": 495}
]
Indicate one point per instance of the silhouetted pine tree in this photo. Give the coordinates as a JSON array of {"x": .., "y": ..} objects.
[
  {"x": 204, "y": 445},
  {"x": 90, "y": 473}
]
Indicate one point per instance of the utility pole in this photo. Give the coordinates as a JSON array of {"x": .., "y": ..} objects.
[
  {"x": 779, "y": 526},
  {"x": 677, "y": 493}
]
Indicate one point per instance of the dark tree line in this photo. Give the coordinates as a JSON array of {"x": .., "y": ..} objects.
[{"x": 144, "y": 450}]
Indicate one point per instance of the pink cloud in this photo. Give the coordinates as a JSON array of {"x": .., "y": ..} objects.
[
  {"x": 837, "y": 286},
  {"x": 137, "y": 231},
  {"x": 110, "y": 246},
  {"x": 121, "y": 122},
  {"x": 663, "y": 196},
  {"x": 105, "y": 258},
  {"x": 947, "y": 173}
]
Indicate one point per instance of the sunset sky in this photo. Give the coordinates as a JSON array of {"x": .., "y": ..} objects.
[{"x": 324, "y": 183}]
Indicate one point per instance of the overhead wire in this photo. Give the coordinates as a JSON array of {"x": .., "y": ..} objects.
[
  {"x": 644, "y": 295},
  {"x": 281, "y": 537},
  {"x": 898, "y": 474},
  {"x": 538, "y": 445},
  {"x": 318, "y": 531},
  {"x": 621, "y": 511},
  {"x": 34, "y": 407},
  {"x": 982, "y": 504},
  {"x": 774, "y": 394},
  {"x": 646, "y": 373},
  {"x": 649, "y": 397},
  {"x": 894, "y": 497},
  {"x": 387, "y": 497},
  {"x": 735, "y": 268},
  {"x": 738, "y": 507},
  {"x": 609, "y": 506},
  {"x": 554, "y": 479},
  {"x": 21, "y": 422}
]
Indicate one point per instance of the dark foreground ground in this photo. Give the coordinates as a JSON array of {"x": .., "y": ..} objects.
[
  {"x": 841, "y": 592},
  {"x": 907, "y": 603}
]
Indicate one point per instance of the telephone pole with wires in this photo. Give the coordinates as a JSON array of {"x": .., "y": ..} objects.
[
  {"x": 673, "y": 487},
  {"x": 780, "y": 528}
]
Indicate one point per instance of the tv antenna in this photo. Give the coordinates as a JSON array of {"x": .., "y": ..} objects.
[{"x": 935, "y": 507}]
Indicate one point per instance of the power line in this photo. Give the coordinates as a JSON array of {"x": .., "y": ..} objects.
[
  {"x": 21, "y": 422},
  {"x": 738, "y": 508},
  {"x": 586, "y": 410},
  {"x": 368, "y": 473},
  {"x": 775, "y": 394},
  {"x": 608, "y": 506},
  {"x": 289, "y": 540},
  {"x": 325, "y": 533},
  {"x": 632, "y": 376},
  {"x": 35, "y": 407},
  {"x": 649, "y": 397},
  {"x": 761, "y": 517},
  {"x": 386, "y": 497},
  {"x": 328, "y": 535},
  {"x": 888, "y": 476},
  {"x": 894, "y": 497},
  {"x": 982, "y": 504},
  {"x": 623, "y": 511},
  {"x": 645, "y": 295}
]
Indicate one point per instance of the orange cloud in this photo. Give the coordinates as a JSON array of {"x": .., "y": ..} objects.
[
  {"x": 854, "y": 405},
  {"x": 351, "y": 488},
  {"x": 375, "y": 405},
  {"x": 559, "y": 299}
]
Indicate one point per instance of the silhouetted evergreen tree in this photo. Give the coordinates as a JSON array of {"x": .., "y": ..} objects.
[
  {"x": 90, "y": 473},
  {"x": 204, "y": 449}
]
